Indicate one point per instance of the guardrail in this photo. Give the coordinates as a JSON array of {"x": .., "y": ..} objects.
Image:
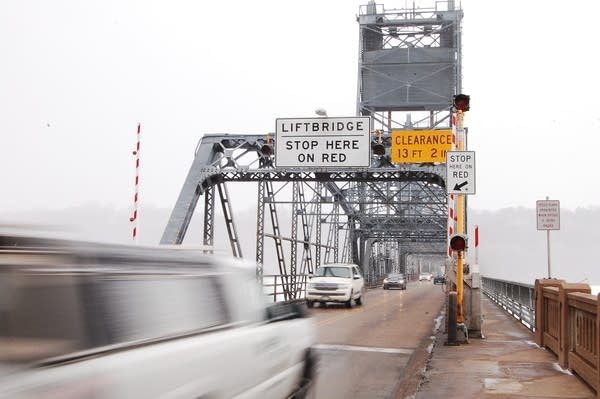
[
  {"x": 516, "y": 298},
  {"x": 285, "y": 287}
]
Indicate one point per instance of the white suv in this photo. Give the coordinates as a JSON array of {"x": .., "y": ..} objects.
[
  {"x": 337, "y": 282},
  {"x": 105, "y": 321}
]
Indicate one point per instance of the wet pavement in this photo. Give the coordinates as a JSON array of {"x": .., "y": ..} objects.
[{"x": 505, "y": 364}]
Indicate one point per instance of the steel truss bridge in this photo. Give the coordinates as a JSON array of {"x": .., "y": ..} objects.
[{"x": 409, "y": 64}]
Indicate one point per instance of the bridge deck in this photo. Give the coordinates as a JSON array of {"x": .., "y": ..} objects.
[{"x": 506, "y": 364}]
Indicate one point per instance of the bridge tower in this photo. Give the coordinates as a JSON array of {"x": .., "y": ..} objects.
[
  {"x": 409, "y": 69},
  {"x": 409, "y": 65}
]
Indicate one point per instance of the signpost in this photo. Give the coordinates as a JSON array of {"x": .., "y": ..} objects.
[
  {"x": 419, "y": 146},
  {"x": 323, "y": 142},
  {"x": 548, "y": 218},
  {"x": 460, "y": 172}
]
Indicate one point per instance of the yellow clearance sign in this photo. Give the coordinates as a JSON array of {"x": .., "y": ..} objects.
[{"x": 418, "y": 146}]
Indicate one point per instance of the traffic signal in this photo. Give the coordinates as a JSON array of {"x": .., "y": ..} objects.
[
  {"x": 461, "y": 102},
  {"x": 266, "y": 150},
  {"x": 458, "y": 242},
  {"x": 378, "y": 149}
]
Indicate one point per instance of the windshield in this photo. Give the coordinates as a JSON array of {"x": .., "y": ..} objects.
[
  {"x": 333, "y": 271},
  {"x": 396, "y": 276}
]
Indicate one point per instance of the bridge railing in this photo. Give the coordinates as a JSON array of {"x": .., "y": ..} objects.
[
  {"x": 516, "y": 298},
  {"x": 567, "y": 324},
  {"x": 280, "y": 287},
  {"x": 563, "y": 316}
]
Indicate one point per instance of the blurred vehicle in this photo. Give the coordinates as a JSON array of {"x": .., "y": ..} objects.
[
  {"x": 103, "y": 321},
  {"x": 339, "y": 282},
  {"x": 439, "y": 279},
  {"x": 394, "y": 280},
  {"x": 425, "y": 277}
]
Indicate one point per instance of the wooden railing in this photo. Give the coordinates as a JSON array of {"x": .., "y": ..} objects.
[{"x": 567, "y": 323}]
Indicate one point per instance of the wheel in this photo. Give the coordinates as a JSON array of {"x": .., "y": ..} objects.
[
  {"x": 306, "y": 388},
  {"x": 384, "y": 287},
  {"x": 349, "y": 301},
  {"x": 359, "y": 300},
  {"x": 310, "y": 304}
]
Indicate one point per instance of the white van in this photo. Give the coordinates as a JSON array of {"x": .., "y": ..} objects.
[{"x": 102, "y": 321}]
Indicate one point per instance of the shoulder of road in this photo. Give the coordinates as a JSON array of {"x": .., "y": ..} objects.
[{"x": 506, "y": 363}]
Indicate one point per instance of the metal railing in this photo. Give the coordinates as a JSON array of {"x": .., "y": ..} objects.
[
  {"x": 516, "y": 298},
  {"x": 280, "y": 287}
]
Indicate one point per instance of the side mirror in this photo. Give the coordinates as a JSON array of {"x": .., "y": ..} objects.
[{"x": 356, "y": 276}]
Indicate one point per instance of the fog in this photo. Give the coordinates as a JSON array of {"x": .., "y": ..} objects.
[{"x": 510, "y": 246}]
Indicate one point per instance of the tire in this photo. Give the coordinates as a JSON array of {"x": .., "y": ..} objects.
[
  {"x": 349, "y": 301},
  {"x": 359, "y": 300},
  {"x": 310, "y": 304},
  {"x": 306, "y": 390}
]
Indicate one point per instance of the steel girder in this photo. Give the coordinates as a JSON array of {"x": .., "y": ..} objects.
[{"x": 405, "y": 203}]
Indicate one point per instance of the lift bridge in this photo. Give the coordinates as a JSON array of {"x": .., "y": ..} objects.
[{"x": 409, "y": 69}]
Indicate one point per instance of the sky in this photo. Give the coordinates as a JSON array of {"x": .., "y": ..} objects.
[{"x": 76, "y": 78}]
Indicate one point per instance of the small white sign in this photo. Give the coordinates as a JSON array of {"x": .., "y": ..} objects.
[
  {"x": 548, "y": 214},
  {"x": 460, "y": 172},
  {"x": 323, "y": 142}
]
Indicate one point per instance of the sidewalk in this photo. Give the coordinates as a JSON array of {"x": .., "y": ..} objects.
[{"x": 506, "y": 364}]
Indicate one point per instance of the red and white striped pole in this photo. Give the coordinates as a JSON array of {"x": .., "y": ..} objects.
[
  {"x": 134, "y": 218},
  {"x": 451, "y": 203}
]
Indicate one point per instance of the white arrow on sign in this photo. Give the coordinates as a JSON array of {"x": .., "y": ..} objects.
[{"x": 460, "y": 172}]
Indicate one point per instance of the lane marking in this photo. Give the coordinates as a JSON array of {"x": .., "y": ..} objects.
[{"x": 363, "y": 349}]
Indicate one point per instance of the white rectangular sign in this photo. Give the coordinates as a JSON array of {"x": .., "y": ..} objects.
[
  {"x": 548, "y": 214},
  {"x": 460, "y": 172},
  {"x": 323, "y": 142}
]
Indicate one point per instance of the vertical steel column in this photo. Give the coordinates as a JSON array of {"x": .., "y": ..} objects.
[
  {"x": 336, "y": 231},
  {"x": 294, "y": 241},
  {"x": 226, "y": 205},
  {"x": 318, "y": 226},
  {"x": 329, "y": 245},
  {"x": 209, "y": 219},
  {"x": 277, "y": 238},
  {"x": 260, "y": 231},
  {"x": 307, "y": 264}
]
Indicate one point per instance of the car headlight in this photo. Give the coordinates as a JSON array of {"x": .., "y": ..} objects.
[{"x": 385, "y": 280}]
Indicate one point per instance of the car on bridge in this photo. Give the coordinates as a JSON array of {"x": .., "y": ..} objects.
[
  {"x": 337, "y": 282},
  {"x": 394, "y": 280},
  {"x": 107, "y": 321},
  {"x": 439, "y": 279},
  {"x": 425, "y": 276}
]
